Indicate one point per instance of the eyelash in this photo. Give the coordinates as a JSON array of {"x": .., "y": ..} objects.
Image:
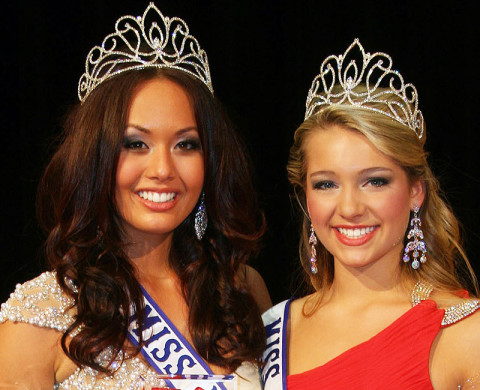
[
  {"x": 323, "y": 185},
  {"x": 185, "y": 145},
  {"x": 378, "y": 181},
  {"x": 132, "y": 143},
  {"x": 373, "y": 181},
  {"x": 189, "y": 144}
]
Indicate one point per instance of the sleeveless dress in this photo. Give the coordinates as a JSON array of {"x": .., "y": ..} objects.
[
  {"x": 41, "y": 302},
  {"x": 395, "y": 358}
]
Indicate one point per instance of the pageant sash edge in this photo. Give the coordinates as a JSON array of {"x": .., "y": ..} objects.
[
  {"x": 274, "y": 358},
  {"x": 165, "y": 348}
]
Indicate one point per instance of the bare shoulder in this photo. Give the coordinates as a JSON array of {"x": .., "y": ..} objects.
[
  {"x": 32, "y": 322},
  {"x": 464, "y": 337},
  {"x": 256, "y": 285},
  {"x": 300, "y": 306},
  {"x": 28, "y": 355},
  {"x": 456, "y": 351}
]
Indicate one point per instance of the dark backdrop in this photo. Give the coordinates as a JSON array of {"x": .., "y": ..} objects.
[{"x": 263, "y": 56}]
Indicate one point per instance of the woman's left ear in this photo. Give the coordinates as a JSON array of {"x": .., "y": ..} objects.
[{"x": 417, "y": 194}]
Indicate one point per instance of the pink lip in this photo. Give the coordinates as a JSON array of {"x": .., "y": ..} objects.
[
  {"x": 158, "y": 207},
  {"x": 354, "y": 241}
]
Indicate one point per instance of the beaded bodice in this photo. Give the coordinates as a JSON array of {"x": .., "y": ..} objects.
[{"x": 43, "y": 303}]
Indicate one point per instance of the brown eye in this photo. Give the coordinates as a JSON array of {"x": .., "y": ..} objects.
[
  {"x": 189, "y": 144},
  {"x": 130, "y": 143}
]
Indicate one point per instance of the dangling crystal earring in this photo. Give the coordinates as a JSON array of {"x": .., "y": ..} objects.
[
  {"x": 201, "y": 219},
  {"x": 417, "y": 245},
  {"x": 313, "y": 257},
  {"x": 99, "y": 233}
]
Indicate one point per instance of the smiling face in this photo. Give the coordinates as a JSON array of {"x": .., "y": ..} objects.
[
  {"x": 359, "y": 200},
  {"x": 160, "y": 170}
]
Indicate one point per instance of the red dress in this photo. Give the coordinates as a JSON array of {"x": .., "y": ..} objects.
[{"x": 395, "y": 358}]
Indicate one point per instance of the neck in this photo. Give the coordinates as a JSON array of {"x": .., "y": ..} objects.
[
  {"x": 368, "y": 283},
  {"x": 151, "y": 258}
]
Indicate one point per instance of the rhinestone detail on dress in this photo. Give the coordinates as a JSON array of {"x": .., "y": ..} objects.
[
  {"x": 133, "y": 374},
  {"x": 453, "y": 314},
  {"x": 43, "y": 303},
  {"x": 420, "y": 292},
  {"x": 456, "y": 313},
  {"x": 40, "y": 302}
]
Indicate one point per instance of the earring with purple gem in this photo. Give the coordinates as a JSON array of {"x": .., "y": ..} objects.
[
  {"x": 417, "y": 245},
  {"x": 313, "y": 256}
]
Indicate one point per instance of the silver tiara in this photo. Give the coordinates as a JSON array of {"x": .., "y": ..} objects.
[
  {"x": 340, "y": 76},
  {"x": 148, "y": 41}
]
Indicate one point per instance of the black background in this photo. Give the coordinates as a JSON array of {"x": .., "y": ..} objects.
[{"x": 263, "y": 56}]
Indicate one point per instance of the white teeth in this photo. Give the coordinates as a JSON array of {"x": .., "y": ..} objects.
[
  {"x": 357, "y": 232},
  {"x": 157, "y": 197}
]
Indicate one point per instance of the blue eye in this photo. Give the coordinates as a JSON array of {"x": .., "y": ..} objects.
[
  {"x": 378, "y": 181},
  {"x": 189, "y": 144},
  {"x": 323, "y": 185}
]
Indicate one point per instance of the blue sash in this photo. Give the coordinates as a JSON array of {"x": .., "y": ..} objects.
[
  {"x": 274, "y": 372},
  {"x": 169, "y": 353}
]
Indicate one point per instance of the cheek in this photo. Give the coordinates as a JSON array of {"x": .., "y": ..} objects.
[
  {"x": 126, "y": 177},
  {"x": 319, "y": 208},
  {"x": 126, "y": 172},
  {"x": 120, "y": 181},
  {"x": 395, "y": 209},
  {"x": 192, "y": 171}
]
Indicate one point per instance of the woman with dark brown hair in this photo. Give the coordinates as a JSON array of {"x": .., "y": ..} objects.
[{"x": 150, "y": 218}]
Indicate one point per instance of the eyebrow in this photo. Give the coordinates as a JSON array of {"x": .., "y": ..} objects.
[
  {"x": 371, "y": 170},
  {"x": 375, "y": 169},
  {"x": 147, "y": 131}
]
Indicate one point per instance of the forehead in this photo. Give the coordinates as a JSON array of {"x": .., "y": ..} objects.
[
  {"x": 160, "y": 100},
  {"x": 339, "y": 149}
]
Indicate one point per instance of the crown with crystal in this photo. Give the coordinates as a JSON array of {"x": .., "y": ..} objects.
[
  {"x": 148, "y": 41},
  {"x": 370, "y": 83}
]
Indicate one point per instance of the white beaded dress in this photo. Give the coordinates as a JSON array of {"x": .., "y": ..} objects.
[{"x": 41, "y": 302}]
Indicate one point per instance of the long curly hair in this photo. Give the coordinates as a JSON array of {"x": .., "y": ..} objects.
[
  {"x": 77, "y": 209},
  {"x": 447, "y": 267}
]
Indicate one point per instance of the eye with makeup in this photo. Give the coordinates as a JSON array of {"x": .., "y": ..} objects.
[
  {"x": 377, "y": 181},
  {"x": 134, "y": 143},
  {"x": 189, "y": 144},
  {"x": 323, "y": 185}
]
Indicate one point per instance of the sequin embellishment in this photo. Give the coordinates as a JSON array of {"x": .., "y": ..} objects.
[
  {"x": 453, "y": 314},
  {"x": 40, "y": 302}
]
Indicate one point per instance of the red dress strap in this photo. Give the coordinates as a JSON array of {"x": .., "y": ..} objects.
[{"x": 395, "y": 358}]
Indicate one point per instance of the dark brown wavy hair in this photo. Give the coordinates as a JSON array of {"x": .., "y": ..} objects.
[{"x": 76, "y": 207}]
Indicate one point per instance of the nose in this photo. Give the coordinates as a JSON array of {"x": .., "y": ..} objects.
[
  {"x": 161, "y": 165},
  {"x": 351, "y": 205}
]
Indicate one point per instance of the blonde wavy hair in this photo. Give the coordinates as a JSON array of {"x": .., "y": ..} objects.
[{"x": 447, "y": 267}]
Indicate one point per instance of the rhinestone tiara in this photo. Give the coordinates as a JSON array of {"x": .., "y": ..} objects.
[
  {"x": 148, "y": 41},
  {"x": 345, "y": 81}
]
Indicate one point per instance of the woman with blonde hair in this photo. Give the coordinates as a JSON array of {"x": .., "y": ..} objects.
[{"x": 394, "y": 297}]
